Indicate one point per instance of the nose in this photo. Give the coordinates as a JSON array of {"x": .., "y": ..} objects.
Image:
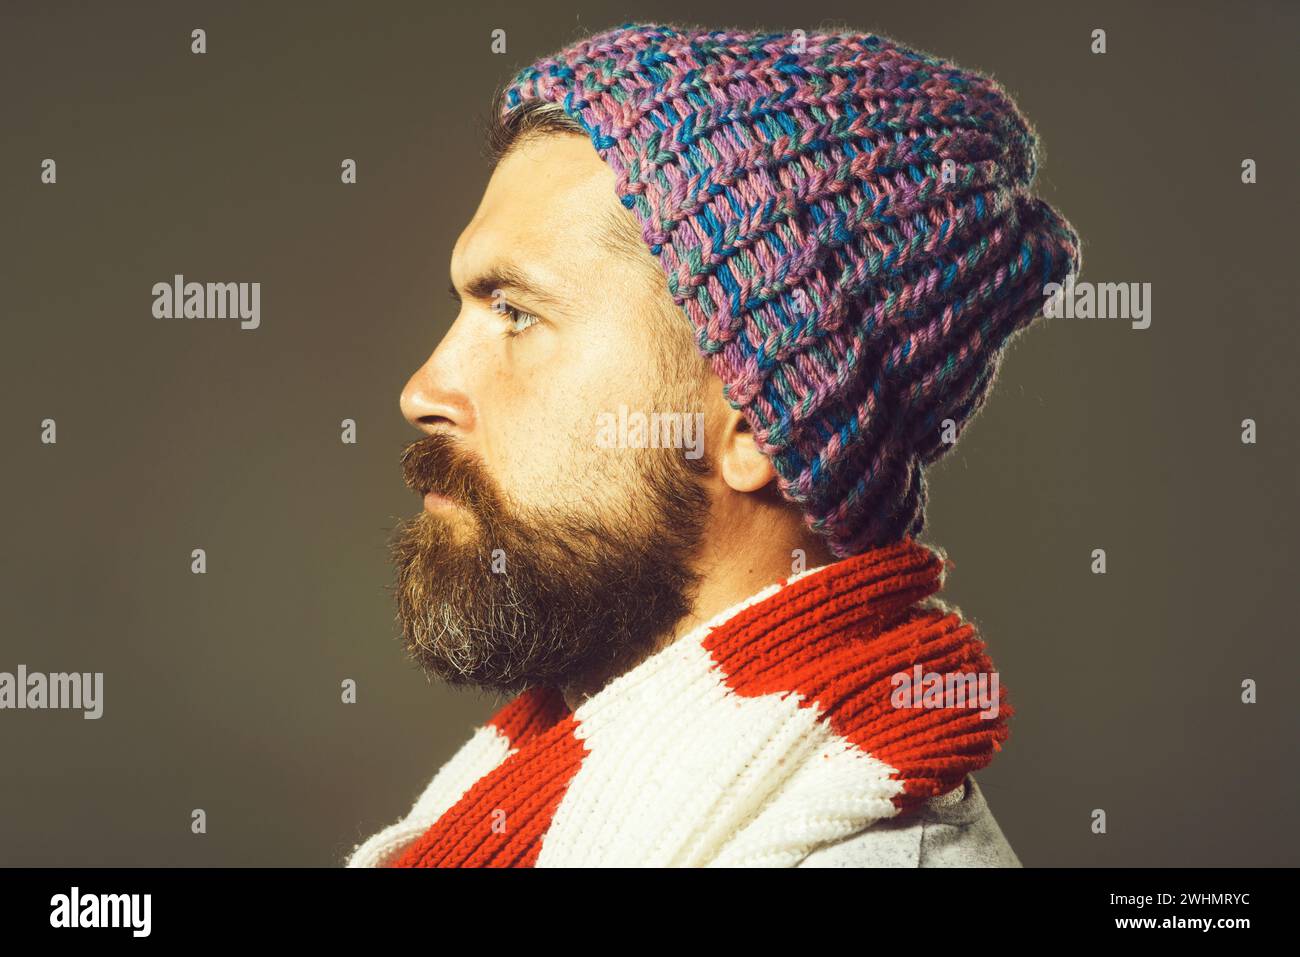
[{"x": 431, "y": 399}]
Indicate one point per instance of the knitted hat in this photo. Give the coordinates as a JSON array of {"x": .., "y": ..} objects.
[{"x": 851, "y": 287}]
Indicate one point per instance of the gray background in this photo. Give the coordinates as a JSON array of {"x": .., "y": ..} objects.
[{"x": 222, "y": 691}]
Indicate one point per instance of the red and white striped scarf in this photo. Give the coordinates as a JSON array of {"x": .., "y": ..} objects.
[{"x": 762, "y": 735}]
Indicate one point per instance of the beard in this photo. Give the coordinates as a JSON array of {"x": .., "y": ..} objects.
[{"x": 505, "y": 598}]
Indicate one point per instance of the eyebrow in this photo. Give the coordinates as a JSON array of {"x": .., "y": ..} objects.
[{"x": 506, "y": 277}]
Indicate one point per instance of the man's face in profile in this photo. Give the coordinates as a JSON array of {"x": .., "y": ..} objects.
[{"x": 539, "y": 555}]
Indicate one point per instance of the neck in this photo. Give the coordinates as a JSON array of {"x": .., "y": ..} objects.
[{"x": 728, "y": 573}]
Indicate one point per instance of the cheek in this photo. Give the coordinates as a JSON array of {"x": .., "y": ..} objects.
[{"x": 544, "y": 433}]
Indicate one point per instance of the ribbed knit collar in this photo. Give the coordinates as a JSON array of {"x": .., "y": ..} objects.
[{"x": 764, "y": 733}]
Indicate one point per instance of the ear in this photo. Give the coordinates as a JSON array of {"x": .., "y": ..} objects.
[{"x": 740, "y": 463}]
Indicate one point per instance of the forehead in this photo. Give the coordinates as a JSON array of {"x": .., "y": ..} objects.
[{"x": 542, "y": 211}]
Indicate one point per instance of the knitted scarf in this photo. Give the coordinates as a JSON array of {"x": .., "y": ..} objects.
[{"x": 763, "y": 734}]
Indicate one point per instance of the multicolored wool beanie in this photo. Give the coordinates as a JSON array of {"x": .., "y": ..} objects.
[{"x": 847, "y": 225}]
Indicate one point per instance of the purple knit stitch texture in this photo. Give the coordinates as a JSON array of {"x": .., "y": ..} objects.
[{"x": 846, "y": 223}]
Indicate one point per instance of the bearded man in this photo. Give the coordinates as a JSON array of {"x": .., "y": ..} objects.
[{"x": 820, "y": 244}]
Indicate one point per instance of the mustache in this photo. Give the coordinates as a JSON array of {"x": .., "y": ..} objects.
[{"x": 436, "y": 464}]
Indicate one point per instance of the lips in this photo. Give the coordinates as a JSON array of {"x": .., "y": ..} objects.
[
  {"x": 434, "y": 463},
  {"x": 433, "y": 501}
]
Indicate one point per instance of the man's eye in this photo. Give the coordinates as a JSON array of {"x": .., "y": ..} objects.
[{"x": 516, "y": 321}]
